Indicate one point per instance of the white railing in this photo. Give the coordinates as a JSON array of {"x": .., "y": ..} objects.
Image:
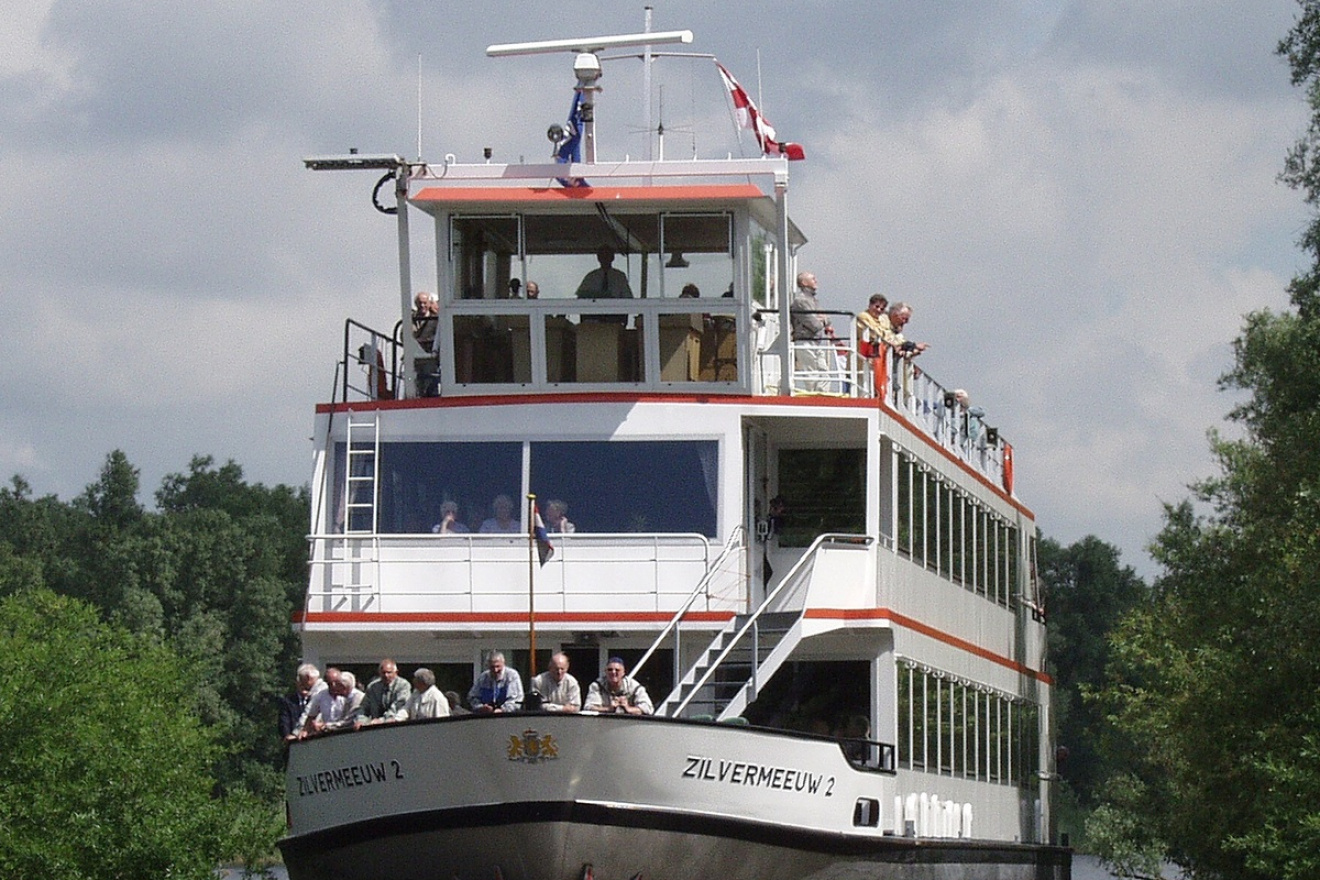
[
  {"x": 490, "y": 574},
  {"x": 834, "y": 368}
]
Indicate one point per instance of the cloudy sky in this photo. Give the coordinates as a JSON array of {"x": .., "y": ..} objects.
[{"x": 1078, "y": 196}]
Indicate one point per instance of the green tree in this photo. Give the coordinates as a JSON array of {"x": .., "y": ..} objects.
[
  {"x": 1088, "y": 591},
  {"x": 215, "y": 572},
  {"x": 107, "y": 767}
]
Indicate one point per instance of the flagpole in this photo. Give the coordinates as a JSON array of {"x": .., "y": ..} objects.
[{"x": 531, "y": 582}]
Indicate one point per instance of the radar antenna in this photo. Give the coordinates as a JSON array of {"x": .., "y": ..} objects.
[{"x": 586, "y": 67}]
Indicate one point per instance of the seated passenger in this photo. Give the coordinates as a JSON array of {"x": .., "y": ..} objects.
[
  {"x": 533, "y": 290},
  {"x": 556, "y": 518},
  {"x": 560, "y": 692},
  {"x": 426, "y": 700},
  {"x": 449, "y": 523},
  {"x": 873, "y": 325},
  {"x": 690, "y": 291},
  {"x": 456, "y": 706},
  {"x": 386, "y": 696},
  {"x": 497, "y": 689},
  {"x": 502, "y": 523},
  {"x": 616, "y": 692},
  {"x": 605, "y": 282}
]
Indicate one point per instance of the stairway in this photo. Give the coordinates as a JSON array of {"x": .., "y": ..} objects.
[{"x": 740, "y": 660}]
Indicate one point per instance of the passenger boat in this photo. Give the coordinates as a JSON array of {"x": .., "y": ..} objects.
[{"x": 822, "y": 560}]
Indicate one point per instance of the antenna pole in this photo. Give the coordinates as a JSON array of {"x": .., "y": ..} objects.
[
  {"x": 419, "y": 106},
  {"x": 646, "y": 87}
]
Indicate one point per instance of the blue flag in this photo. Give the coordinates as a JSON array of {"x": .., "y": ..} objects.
[{"x": 570, "y": 148}]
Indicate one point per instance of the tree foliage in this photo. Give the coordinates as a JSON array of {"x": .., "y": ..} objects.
[
  {"x": 214, "y": 572},
  {"x": 1088, "y": 591},
  {"x": 1217, "y": 680},
  {"x": 107, "y": 766}
]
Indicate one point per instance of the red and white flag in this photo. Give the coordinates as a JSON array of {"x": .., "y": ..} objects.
[{"x": 749, "y": 117}]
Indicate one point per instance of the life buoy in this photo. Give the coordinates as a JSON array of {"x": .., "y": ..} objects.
[
  {"x": 880, "y": 371},
  {"x": 1008, "y": 468}
]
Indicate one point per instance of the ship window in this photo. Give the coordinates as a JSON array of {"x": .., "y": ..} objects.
[
  {"x": 492, "y": 349},
  {"x": 416, "y": 478},
  {"x": 826, "y": 492},
  {"x": 904, "y": 700},
  {"x": 904, "y": 511},
  {"x": 697, "y": 250},
  {"x": 631, "y": 486},
  {"x": 593, "y": 348},
  {"x": 866, "y": 813},
  {"x": 484, "y": 251},
  {"x": 561, "y": 250}
]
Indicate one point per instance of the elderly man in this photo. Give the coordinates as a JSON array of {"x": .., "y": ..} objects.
[
  {"x": 426, "y": 701},
  {"x": 814, "y": 356},
  {"x": 387, "y": 694},
  {"x": 292, "y": 706},
  {"x": 616, "y": 692},
  {"x": 899, "y": 314},
  {"x": 334, "y": 708},
  {"x": 497, "y": 689},
  {"x": 559, "y": 691}
]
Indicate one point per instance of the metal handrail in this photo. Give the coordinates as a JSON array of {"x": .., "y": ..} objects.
[
  {"x": 735, "y": 542},
  {"x": 382, "y": 343},
  {"x": 791, "y": 578}
]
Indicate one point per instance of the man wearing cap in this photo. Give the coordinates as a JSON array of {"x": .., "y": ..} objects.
[{"x": 616, "y": 692}]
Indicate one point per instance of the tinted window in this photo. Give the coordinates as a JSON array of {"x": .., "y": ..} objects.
[{"x": 633, "y": 486}]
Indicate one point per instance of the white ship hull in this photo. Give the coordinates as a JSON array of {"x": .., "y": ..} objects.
[{"x": 545, "y": 797}]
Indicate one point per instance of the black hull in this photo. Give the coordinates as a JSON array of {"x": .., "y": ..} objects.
[{"x": 552, "y": 841}]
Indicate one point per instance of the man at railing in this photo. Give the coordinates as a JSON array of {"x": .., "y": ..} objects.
[{"x": 814, "y": 358}]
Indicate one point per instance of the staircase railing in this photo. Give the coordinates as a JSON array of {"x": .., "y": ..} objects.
[
  {"x": 735, "y": 544},
  {"x": 789, "y": 592}
]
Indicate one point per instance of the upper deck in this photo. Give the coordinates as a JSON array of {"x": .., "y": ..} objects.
[{"x": 694, "y": 255}]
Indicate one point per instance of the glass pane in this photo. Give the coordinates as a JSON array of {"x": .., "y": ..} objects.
[
  {"x": 564, "y": 255},
  {"x": 492, "y": 349},
  {"x": 699, "y": 258},
  {"x": 904, "y": 511},
  {"x": 826, "y": 492},
  {"x": 417, "y": 479},
  {"x": 593, "y": 348},
  {"x": 631, "y": 486},
  {"x": 719, "y": 348},
  {"x": 484, "y": 250}
]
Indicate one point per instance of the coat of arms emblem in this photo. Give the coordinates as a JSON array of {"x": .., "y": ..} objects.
[{"x": 533, "y": 748}]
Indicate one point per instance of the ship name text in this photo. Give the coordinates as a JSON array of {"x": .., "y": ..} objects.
[
  {"x": 327, "y": 781},
  {"x": 758, "y": 775}
]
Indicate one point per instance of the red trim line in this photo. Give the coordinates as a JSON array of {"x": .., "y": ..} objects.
[
  {"x": 504, "y": 617},
  {"x": 917, "y": 626},
  {"x": 484, "y": 194}
]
